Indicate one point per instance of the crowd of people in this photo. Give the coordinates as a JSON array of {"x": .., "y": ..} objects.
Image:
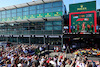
[{"x": 24, "y": 56}]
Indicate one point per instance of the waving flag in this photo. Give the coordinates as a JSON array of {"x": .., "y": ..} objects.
[
  {"x": 86, "y": 19},
  {"x": 75, "y": 16},
  {"x": 88, "y": 15}
]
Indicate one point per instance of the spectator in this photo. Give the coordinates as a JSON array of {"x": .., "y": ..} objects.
[{"x": 17, "y": 57}]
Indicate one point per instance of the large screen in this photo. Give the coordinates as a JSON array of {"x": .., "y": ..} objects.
[
  {"x": 79, "y": 19},
  {"x": 83, "y": 21}
]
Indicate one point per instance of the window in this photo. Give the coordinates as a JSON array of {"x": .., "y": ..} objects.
[
  {"x": 0, "y": 17},
  {"x": 32, "y": 7},
  {"x": 48, "y": 10},
  {"x": 3, "y": 12},
  {"x": 32, "y": 12},
  {"x": 8, "y": 15},
  {"x": 55, "y": 4},
  {"x": 25, "y": 13},
  {"x": 39, "y": 11},
  {"x": 48, "y": 5},
  {"x": 39, "y": 23},
  {"x": 3, "y": 16},
  {"x": 32, "y": 24},
  {"x": 25, "y": 8},
  {"x": 8, "y": 11},
  {"x": 57, "y": 9},
  {"x": 19, "y": 10},
  {"x": 57, "y": 23},
  {"x": 25, "y": 28},
  {"x": 14, "y": 15},
  {"x": 25, "y": 24},
  {"x": 13, "y": 10},
  {"x": 57, "y": 27},
  {"x": 0, "y": 14},
  {"x": 39, "y": 27},
  {"x": 19, "y": 14},
  {"x": 48, "y": 27},
  {"x": 40, "y": 6},
  {"x": 48, "y": 23}
]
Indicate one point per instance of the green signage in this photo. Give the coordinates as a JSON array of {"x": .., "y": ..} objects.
[
  {"x": 54, "y": 14},
  {"x": 19, "y": 18},
  {"x": 80, "y": 7},
  {"x": 48, "y": 15},
  {"x": 13, "y": 18},
  {"x": 8, "y": 19},
  {"x": 32, "y": 16},
  {"x": 40, "y": 15},
  {"x": 4, "y": 19},
  {"x": 25, "y": 17},
  {"x": 57, "y": 13},
  {"x": 79, "y": 19}
]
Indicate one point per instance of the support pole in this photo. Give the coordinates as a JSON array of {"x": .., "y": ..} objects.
[
  {"x": 17, "y": 40},
  {"x": 29, "y": 40},
  {"x": 61, "y": 41},
  {"x": 44, "y": 39}
]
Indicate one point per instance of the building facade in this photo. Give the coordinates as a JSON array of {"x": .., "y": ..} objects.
[{"x": 36, "y": 22}]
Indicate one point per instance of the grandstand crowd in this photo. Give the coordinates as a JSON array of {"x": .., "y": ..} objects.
[{"x": 25, "y": 56}]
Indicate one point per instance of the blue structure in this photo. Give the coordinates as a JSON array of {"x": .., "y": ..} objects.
[{"x": 35, "y": 22}]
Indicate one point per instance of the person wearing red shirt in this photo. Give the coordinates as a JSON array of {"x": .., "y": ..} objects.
[
  {"x": 83, "y": 26},
  {"x": 88, "y": 26},
  {"x": 77, "y": 27},
  {"x": 92, "y": 26}
]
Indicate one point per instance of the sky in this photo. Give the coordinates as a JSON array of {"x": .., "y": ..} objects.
[{"x": 4, "y": 3}]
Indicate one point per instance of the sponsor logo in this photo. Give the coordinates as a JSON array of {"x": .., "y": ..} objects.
[{"x": 82, "y": 8}]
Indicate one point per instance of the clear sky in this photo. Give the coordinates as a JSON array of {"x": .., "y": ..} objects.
[{"x": 4, "y": 3}]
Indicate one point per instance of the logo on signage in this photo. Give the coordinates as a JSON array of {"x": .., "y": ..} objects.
[{"x": 82, "y": 8}]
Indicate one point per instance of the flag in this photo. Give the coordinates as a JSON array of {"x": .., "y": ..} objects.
[
  {"x": 86, "y": 19},
  {"x": 75, "y": 16},
  {"x": 88, "y": 15}
]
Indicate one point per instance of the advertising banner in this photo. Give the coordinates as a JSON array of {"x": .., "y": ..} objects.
[
  {"x": 48, "y": 15},
  {"x": 81, "y": 7}
]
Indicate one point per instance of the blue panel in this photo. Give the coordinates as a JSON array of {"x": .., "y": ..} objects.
[
  {"x": 26, "y": 13},
  {"x": 19, "y": 14},
  {"x": 48, "y": 23},
  {"x": 48, "y": 10},
  {"x": 48, "y": 28},
  {"x": 14, "y": 15},
  {"x": 19, "y": 10},
  {"x": 32, "y": 12},
  {"x": 48, "y": 5},
  {"x": 40, "y": 6},
  {"x": 8, "y": 11},
  {"x": 25, "y": 8},
  {"x": 32, "y": 7},
  {"x": 57, "y": 28},
  {"x": 57, "y": 9},
  {"x": 55, "y": 4},
  {"x": 39, "y": 11},
  {"x": 13, "y": 10},
  {"x": 57, "y": 23},
  {"x": 3, "y": 12}
]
